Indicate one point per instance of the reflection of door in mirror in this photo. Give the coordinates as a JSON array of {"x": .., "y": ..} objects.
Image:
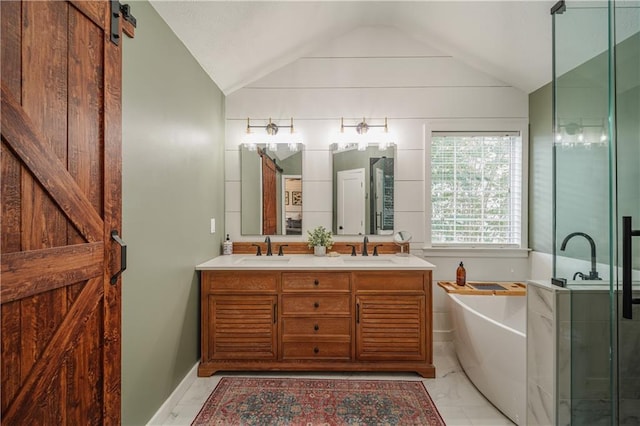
[
  {"x": 292, "y": 204},
  {"x": 381, "y": 208},
  {"x": 269, "y": 193},
  {"x": 350, "y": 202}
]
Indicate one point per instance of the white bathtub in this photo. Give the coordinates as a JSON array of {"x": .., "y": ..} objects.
[{"x": 490, "y": 341}]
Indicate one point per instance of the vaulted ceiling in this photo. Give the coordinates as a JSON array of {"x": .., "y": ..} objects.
[{"x": 238, "y": 42}]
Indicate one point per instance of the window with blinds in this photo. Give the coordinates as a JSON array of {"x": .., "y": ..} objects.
[{"x": 476, "y": 188}]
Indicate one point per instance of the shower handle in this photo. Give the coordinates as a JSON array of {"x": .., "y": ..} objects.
[{"x": 627, "y": 294}]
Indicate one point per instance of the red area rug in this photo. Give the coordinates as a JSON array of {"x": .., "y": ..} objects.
[{"x": 318, "y": 402}]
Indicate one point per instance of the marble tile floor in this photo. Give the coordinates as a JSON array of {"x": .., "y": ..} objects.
[{"x": 458, "y": 401}]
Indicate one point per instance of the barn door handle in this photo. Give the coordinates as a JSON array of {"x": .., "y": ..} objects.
[{"x": 123, "y": 255}]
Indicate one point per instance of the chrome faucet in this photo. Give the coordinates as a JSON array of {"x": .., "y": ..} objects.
[
  {"x": 268, "y": 241},
  {"x": 593, "y": 275},
  {"x": 364, "y": 246}
]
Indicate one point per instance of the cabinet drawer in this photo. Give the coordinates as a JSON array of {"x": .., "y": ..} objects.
[
  {"x": 316, "y": 304},
  {"x": 394, "y": 281},
  {"x": 294, "y": 326},
  {"x": 315, "y": 281},
  {"x": 240, "y": 281},
  {"x": 316, "y": 350}
]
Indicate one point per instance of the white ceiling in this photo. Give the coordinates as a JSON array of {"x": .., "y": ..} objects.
[{"x": 238, "y": 42}]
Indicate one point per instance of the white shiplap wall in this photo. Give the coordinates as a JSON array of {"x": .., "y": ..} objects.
[{"x": 377, "y": 72}]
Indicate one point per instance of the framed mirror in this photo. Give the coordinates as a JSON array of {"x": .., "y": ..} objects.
[
  {"x": 271, "y": 190},
  {"x": 363, "y": 190}
]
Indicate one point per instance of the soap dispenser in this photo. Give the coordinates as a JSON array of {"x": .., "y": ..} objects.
[
  {"x": 227, "y": 246},
  {"x": 461, "y": 275}
]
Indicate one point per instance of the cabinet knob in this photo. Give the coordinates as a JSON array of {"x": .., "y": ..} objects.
[
  {"x": 316, "y": 281},
  {"x": 316, "y": 350},
  {"x": 316, "y": 305},
  {"x": 316, "y": 327}
]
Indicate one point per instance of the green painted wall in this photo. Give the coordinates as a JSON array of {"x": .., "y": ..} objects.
[
  {"x": 173, "y": 183},
  {"x": 250, "y": 192},
  {"x": 540, "y": 170},
  {"x": 292, "y": 165}
]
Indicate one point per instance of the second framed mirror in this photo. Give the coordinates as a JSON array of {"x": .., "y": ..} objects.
[{"x": 363, "y": 190}]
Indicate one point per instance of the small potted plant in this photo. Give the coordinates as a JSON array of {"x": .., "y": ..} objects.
[{"x": 320, "y": 240}]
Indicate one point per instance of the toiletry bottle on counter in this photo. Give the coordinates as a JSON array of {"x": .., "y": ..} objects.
[
  {"x": 227, "y": 246},
  {"x": 461, "y": 275}
]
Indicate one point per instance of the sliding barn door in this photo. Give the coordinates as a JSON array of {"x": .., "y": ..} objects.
[
  {"x": 61, "y": 200},
  {"x": 269, "y": 197}
]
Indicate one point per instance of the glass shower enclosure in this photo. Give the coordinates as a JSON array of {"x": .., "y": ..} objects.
[{"x": 596, "y": 155}]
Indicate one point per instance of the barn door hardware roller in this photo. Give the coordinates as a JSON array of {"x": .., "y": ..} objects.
[{"x": 118, "y": 10}]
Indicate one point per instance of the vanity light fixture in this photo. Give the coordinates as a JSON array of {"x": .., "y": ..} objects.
[
  {"x": 364, "y": 136},
  {"x": 272, "y": 139},
  {"x": 576, "y": 133}
]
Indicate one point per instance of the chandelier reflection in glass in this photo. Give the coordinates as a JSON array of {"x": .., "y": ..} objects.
[
  {"x": 272, "y": 137},
  {"x": 365, "y": 134}
]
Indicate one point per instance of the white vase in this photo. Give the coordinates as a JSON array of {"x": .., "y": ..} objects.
[{"x": 319, "y": 250}]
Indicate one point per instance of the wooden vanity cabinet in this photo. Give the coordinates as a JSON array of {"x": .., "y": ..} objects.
[
  {"x": 316, "y": 320},
  {"x": 391, "y": 316},
  {"x": 238, "y": 318}
]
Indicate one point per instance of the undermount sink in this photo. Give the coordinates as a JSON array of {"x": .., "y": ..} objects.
[{"x": 261, "y": 260}]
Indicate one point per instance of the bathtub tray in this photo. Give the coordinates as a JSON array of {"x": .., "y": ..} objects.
[
  {"x": 485, "y": 288},
  {"x": 488, "y": 286}
]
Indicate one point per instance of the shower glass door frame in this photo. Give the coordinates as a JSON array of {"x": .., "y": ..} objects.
[
  {"x": 624, "y": 60},
  {"x": 596, "y": 158}
]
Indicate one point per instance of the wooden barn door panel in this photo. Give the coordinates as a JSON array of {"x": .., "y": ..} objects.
[
  {"x": 269, "y": 207},
  {"x": 61, "y": 197}
]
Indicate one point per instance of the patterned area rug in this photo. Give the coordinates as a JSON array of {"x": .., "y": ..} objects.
[{"x": 318, "y": 402}]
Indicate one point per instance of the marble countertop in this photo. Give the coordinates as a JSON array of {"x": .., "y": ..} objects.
[
  {"x": 310, "y": 262},
  {"x": 583, "y": 285}
]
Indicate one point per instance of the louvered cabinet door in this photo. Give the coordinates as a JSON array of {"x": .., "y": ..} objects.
[
  {"x": 242, "y": 327},
  {"x": 390, "y": 327}
]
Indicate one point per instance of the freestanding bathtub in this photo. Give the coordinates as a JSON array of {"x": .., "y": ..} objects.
[{"x": 490, "y": 342}]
